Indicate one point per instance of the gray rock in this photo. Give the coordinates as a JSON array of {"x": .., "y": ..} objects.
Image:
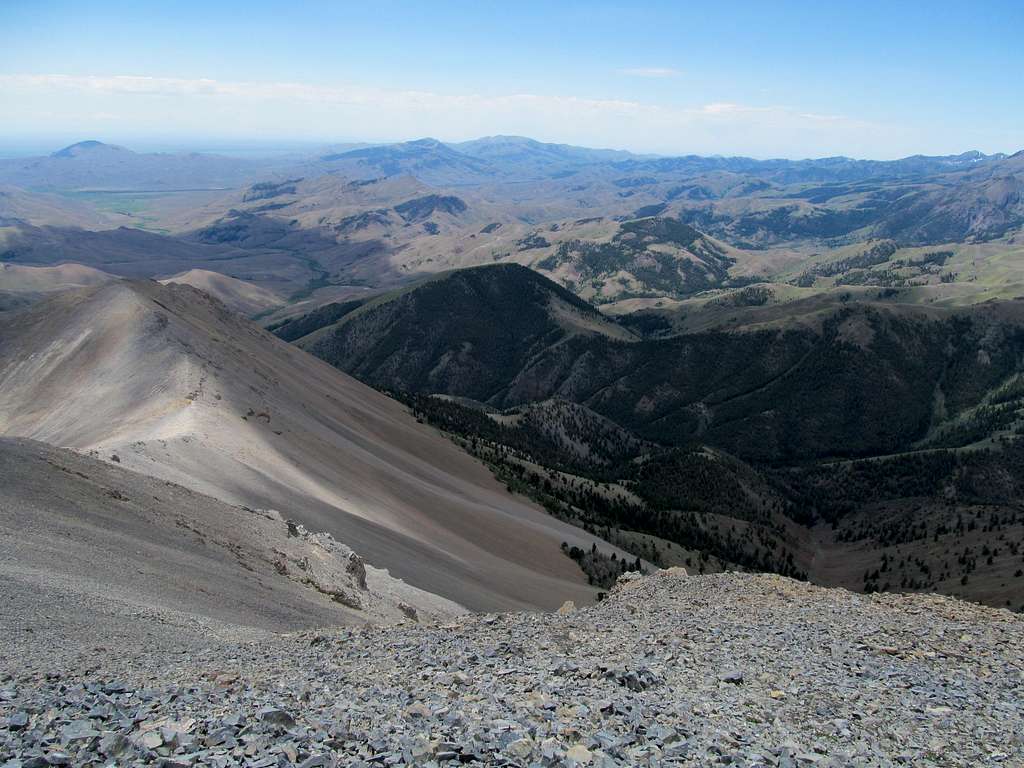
[
  {"x": 77, "y": 731},
  {"x": 651, "y": 676},
  {"x": 114, "y": 745},
  {"x": 357, "y": 569},
  {"x": 151, "y": 740},
  {"x": 276, "y": 716}
]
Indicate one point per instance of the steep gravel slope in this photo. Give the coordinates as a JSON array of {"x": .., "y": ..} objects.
[
  {"x": 110, "y": 557},
  {"x": 672, "y": 670},
  {"x": 177, "y": 386}
]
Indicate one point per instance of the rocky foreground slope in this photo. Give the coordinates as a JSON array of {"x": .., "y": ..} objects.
[{"x": 671, "y": 670}]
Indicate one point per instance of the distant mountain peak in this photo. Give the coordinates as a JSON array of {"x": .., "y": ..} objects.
[
  {"x": 426, "y": 141},
  {"x": 506, "y": 139},
  {"x": 91, "y": 145}
]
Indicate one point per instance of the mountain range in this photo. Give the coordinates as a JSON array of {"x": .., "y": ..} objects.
[
  {"x": 94, "y": 165},
  {"x": 511, "y": 453},
  {"x": 610, "y": 226},
  {"x": 350, "y": 418},
  {"x": 781, "y": 431},
  {"x": 539, "y": 365}
]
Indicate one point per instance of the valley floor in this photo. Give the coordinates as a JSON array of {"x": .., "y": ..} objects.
[{"x": 669, "y": 670}]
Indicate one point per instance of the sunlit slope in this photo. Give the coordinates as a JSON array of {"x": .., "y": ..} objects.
[{"x": 177, "y": 386}]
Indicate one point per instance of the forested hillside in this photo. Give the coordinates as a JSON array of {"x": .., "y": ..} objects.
[{"x": 788, "y": 448}]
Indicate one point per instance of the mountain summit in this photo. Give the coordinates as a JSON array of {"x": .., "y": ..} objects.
[{"x": 90, "y": 146}]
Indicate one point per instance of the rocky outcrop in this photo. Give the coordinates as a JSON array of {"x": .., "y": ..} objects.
[{"x": 318, "y": 561}]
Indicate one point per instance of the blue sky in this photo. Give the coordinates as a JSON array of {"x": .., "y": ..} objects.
[{"x": 783, "y": 79}]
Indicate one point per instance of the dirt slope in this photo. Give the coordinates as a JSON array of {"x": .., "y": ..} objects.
[
  {"x": 239, "y": 295},
  {"x": 177, "y": 386},
  {"x": 21, "y": 285},
  {"x": 21, "y": 278},
  {"x": 106, "y": 554}
]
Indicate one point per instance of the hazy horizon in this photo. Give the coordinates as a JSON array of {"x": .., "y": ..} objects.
[
  {"x": 792, "y": 80},
  {"x": 13, "y": 148}
]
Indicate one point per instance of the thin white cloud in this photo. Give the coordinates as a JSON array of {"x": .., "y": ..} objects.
[
  {"x": 209, "y": 107},
  {"x": 650, "y": 72},
  {"x": 822, "y": 118},
  {"x": 131, "y": 85},
  {"x": 728, "y": 108}
]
